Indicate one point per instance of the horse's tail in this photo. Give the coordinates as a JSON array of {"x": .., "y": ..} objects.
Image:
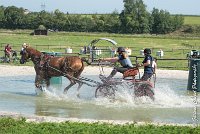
[{"x": 85, "y": 60}]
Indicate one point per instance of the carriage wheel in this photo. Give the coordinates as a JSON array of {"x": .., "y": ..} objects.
[
  {"x": 144, "y": 89},
  {"x": 105, "y": 91},
  {"x": 138, "y": 90},
  {"x": 149, "y": 92}
]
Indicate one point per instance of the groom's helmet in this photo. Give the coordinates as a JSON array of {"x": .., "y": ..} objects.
[{"x": 147, "y": 51}]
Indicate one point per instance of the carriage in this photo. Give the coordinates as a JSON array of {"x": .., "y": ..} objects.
[
  {"x": 71, "y": 67},
  {"x": 130, "y": 81}
]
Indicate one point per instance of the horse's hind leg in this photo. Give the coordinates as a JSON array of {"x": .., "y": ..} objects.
[
  {"x": 79, "y": 86},
  {"x": 69, "y": 86},
  {"x": 77, "y": 75}
]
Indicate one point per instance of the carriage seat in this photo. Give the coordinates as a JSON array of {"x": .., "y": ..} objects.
[{"x": 131, "y": 72}]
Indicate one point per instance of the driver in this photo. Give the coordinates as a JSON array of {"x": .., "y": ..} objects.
[{"x": 123, "y": 59}]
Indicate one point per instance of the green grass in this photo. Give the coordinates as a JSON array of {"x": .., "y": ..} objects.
[
  {"x": 191, "y": 20},
  {"x": 173, "y": 46},
  {"x": 77, "y": 40},
  {"x": 20, "y": 126}
]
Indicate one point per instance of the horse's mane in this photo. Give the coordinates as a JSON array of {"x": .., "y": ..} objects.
[{"x": 33, "y": 51}]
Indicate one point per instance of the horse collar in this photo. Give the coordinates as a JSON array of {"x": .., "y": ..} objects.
[{"x": 44, "y": 61}]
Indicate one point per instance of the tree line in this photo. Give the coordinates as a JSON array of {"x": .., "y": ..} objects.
[{"x": 133, "y": 19}]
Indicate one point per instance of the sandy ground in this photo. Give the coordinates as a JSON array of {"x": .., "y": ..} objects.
[
  {"x": 7, "y": 70},
  {"x": 39, "y": 119}
]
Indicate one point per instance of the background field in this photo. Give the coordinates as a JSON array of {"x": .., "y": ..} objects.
[
  {"x": 173, "y": 46},
  {"x": 191, "y": 20}
]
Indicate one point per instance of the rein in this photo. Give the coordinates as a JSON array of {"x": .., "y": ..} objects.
[
  {"x": 41, "y": 60},
  {"x": 38, "y": 59},
  {"x": 79, "y": 80}
]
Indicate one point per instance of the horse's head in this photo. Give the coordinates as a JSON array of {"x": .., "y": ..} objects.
[{"x": 29, "y": 52}]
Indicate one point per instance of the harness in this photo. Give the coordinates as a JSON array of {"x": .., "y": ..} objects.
[
  {"x": 43, "y": 65},
  {"x": 44, "y": 61},
  {"x": 66, "y": 65}
]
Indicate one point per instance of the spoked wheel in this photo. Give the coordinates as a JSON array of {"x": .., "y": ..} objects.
[
  {"x": 144, "y": 89},
  {"x": 105, "y": 91},
  {"x": 149, "y": 91}
]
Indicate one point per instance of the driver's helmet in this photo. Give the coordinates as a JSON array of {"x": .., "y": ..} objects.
[
  {"x": 120, "y": 49},
  {"x": 147, "y": 51}
]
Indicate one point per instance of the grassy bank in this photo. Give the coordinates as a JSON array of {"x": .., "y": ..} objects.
[{"x": 20, "y": 126}]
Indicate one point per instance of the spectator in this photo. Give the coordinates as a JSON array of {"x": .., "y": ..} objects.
[
  {"x": 22, "y": 49},
  {"x": 8, "y": 52},
  {"x": 22, "y": 61}
]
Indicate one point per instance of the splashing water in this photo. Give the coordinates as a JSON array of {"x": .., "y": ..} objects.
[
  {"x": 165, "y": 97},
  {"x": 172, "y": 101}
]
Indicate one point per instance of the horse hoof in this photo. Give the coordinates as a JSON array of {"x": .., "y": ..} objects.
[
  {"x": 37, "y": 86},
  {"x": 42, "y": 88},
  {"x": 78, "y": 96}
]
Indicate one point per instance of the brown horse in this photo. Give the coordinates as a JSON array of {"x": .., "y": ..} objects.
[{"x": 47, "y": 66}]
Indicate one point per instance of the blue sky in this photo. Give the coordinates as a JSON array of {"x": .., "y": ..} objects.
[{"x": 190, "y": 7}]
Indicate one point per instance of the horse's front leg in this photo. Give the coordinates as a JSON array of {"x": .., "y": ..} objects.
[
  {"x": 78, "y": 89},
  {"x": 47, "y": 82},
  {"x": 37, "y": 81}
]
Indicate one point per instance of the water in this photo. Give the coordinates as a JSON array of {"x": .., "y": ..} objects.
[{"x": 173, "y": 103}]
